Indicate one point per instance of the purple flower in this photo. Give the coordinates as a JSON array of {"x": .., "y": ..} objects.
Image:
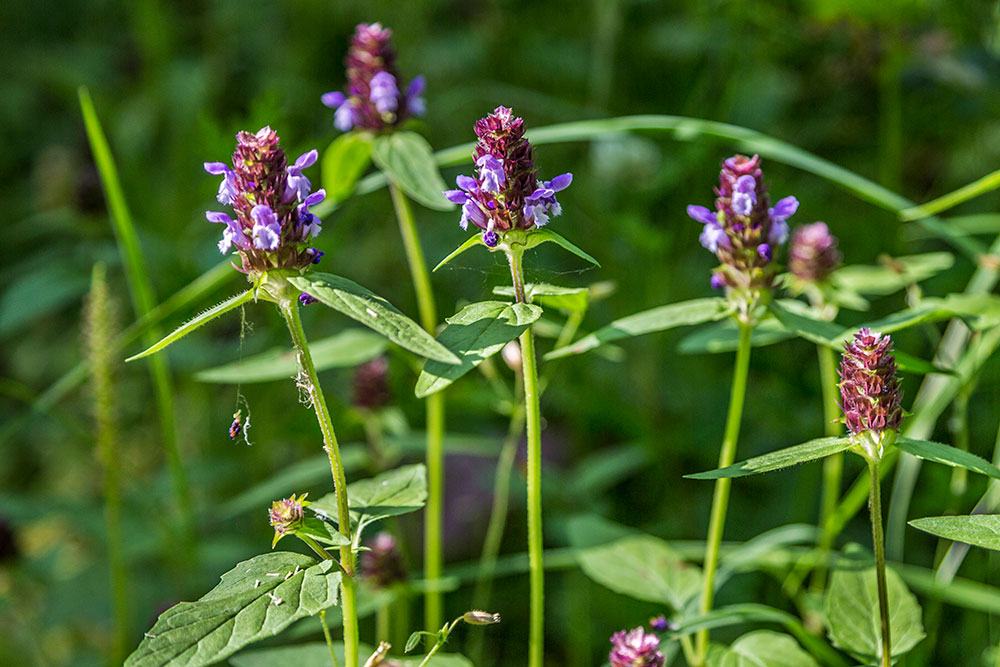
[
  {"x": 744, "y": 195},
  {"x": 813, "y": 253},
  {"x": 266, "y": 229},
  {"x": 415, "y": 104},
  {"x": 718, "y": 281},
  {"x": 635, "y": 648},
  {"x": 305, "y": 299},
  {"x": 227, "y": 189},
  {"x": 869, "y": 389},
  {"x": 317, "y": 255},
  {"x": 491, "y": 174},
  {"x": 299, "y": 186},
  {"x": 659, "y": 623},
  {"x": 384, "y": 92},
  {"x": 711, "y": 236}
]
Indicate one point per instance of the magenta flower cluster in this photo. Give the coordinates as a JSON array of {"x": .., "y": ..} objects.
[
  {"x": 373, "y": 100},
  {"x": 635, "y": 648},
  {"x": 869, "y": 388},
  {"x": 744, "y": 230},
  {"x": 813, "y": 254},
  {"x": 271, "y": 199},
  {"x": 505, "y": 193}
]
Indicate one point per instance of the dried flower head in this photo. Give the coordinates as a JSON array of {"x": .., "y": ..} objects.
[
  {"x": 869, "y": 388},
  {"x": 374, "y": 100},
  {"x": 635, "y": 648},
  {"x": 744, "y": 231},
  {"x": 813, "y": 254},
  {"x": 271, "y": 198},
  {"x": 505, "y": 193},
  {"x": 371, "y": 384},
  {"x": 287, "y": 515},
  {"x": 383, "y": 563}
]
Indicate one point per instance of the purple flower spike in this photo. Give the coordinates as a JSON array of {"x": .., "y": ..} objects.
[
  {"x": 813, "y": 254},
  {"x": 635, "y": 648},
  {"x": 869, "y": 388}
]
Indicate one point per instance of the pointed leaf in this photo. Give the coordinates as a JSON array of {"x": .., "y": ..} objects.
[
  {"x": 572, "y": 299},
  {"x": 725, "y": 337},
  {"x": 987, "y": 183},
  {"x": 199, "y": 320},
  {"x": 475, "y": 333},
  {"x": 374, "y": 312},
  {"x": 240, "y": 610},
  {"x": 951, "y": 456},
  {"x": 764, "y": 648},
  {"x": 893, "y": 274},
  {"x": 981, "y": 530},
  {"x": 642, "y": 567},
  {"x": 804, "y": 325},
  {"x": 344, "y": 160},
  {"x": 346, "y": 349},
  {"x": 475, "y": 239},
  {"x": 783, "y": 458},
  {"x": 852, "y": 613},
  {"x": 407, "y": 159},
  {"x": 545, "y": 235},
  {"x": 674, "y": 315},
  {"x": 395, "y": 492}
]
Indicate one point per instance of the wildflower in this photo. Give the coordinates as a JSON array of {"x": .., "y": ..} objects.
[
  {"x": 374, "y": 100},
  {"x": 635, "y": 648},
  {"x": 383, "y": 563},
  {"x": 505, "y": 193},
  {"x": 286, "y": 515},
  {"x": 371, "y": 384},
  {"x": 306, "y": 299},
  {"x": 813, "y": 253},
  {"x": 659, "y": 623},
  {"x": 271, "y": 200},
  {"x": 869, "y": 390},
  {"x": 743, "y": 231}
]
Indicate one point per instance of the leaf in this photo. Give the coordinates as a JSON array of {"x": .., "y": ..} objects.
[
  {"x": 892, "y": 274},
  {"x": 395, "y": 492},
  {"x": 317, "y": 654},
  {"x": 764, "y": 648},
  {"x": 981, "y": 530},
  {"x": 540, "y": 236},
  {"x": 725, "y": 337},
  {"x": 374, "y": 312},
  {"x": 346, "y": 349},
  {"x": 239, "y": 610},
  {"x": 572, "y": 299},
  {"x": 804, "y": 325},
  {"x": 407, "y": 159},
  {"x": 475, "y": 333},
  {"x": 852, "y": 613},
  {"x": 950, "y": 456},
  {"x": 204, "y": 318},
  {"x": 783, "y": 458},
  {"x": 475, "y": 239},
  {"x": 642, "y": 567},
  {"x": 910, "y": 364},
  {"x": 674, "y": 315},
  {"x": 321, "y": 531},
  {"x": 987, "y": 183},
  {"x": 344, "y": 161}
]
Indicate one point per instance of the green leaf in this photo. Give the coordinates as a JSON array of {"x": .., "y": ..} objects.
[
  {"x": 395, "y": 492},
  {"x": 950, "y": 456},
  {"x": 783, "y": 458},
  {"x": 987, "y": 183},
  {"x": 475, "y": 333},
  {"x": 571, "y": 299},
  {"x": 910, "y": 364},
  {"x": 374, "y": 312},
  {"x": 852, "y": 614},
  {"x": 240, "y": 610},
  {"x": 981, "y": 530},
  {"x": 317, "y": 654},
  {"x": 199, "y": 320},
  {"x": 642, "y": 567},
  {"x": 344, "y": 161},
  {"x": 725, "y": 337},
  {"x": 674, "y": 315},
  {"x": 804, "y": 325},
  {"x": 407, "y": 159},
  {"x": 475, "y": 239},
  {"x": 321, "y": 531},
  {"x": 893, "y": 274},
  {"x": 540, "y": 236},
  {"x": 764, "y": 648},
  {"x": 346, "y": 349}
]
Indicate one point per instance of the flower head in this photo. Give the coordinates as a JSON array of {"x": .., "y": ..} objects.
[
  {"x": 271, "y": 200},
  {"x": 635, "y": 648},
  {"x": 383, "y": 563},
  {"x": 374, "y": 100},
  {"x": 371, "y": 384},
  {"x": 286, "y": 515},
  {"x": 505, "y": 193},
  {"x": 869, "y": 389},
  {"x": 813, "y": 254},
  {"x": 744, "y": 230}
]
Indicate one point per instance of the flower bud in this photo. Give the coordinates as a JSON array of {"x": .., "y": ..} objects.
[
  {"x": 813, "y": 253},
  {"x": 383, "y": 563},
  {"x": 476, "y": 617},
  {"x": 635, "y": 648},
  {"x": 286, "y": 515}
]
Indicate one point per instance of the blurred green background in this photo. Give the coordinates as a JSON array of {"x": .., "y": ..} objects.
[{"x": 905, "y": 93}]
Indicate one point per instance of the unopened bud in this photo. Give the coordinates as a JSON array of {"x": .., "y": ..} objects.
[
  {"x": 476, "y": 617},
  {"x": 286, "y": 515}
]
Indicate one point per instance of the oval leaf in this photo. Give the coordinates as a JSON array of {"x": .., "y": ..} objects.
[
  {"x": 344, "y": 160},
  {"x": 764, "y": 648},
  {"x": 893, "y": 274},
  {"x": 407, "y": 159},
  {"x": 783, "y": 458},
  {"x": 475, "y": 333},
  {"x": 572, "y": 299},
  {"x": 395, "y": 492},
  {"x": 950, "y": 456},
  {"x": 981, "y": 530},
  {"x": 192, "y": 324},
  {"x": 374, "y": 312},
  {"x": 240, "y": 610},
  {"x": 540, "y": 236},
  {"x": 681, "y": 314}
]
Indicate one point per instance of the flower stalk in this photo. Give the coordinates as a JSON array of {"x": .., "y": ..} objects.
[{"x": 878, "y": 541}]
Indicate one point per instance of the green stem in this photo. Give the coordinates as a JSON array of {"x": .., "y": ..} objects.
[
  {"x": 536, "y": 571},
  {"x": 329, "y": 639},
  {"x": 290, "y": 310},
  {"x": 875, "y": 505},
  {"x": 433, "y": 522},
  {"x": 720, "y": 501},
  {"x": 382, "y": 623}
]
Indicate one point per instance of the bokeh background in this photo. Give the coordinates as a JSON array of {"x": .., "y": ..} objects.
[{"x": 905, "y": 93}]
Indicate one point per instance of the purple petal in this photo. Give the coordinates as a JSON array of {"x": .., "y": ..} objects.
[
  {"x": 717, "y": 282},
  {"x": 307, "y": 159},
  {"x": 456, "y": 196},
  {"x": 384, "y": 92},
  {"x": 334, "y": 99},
  {"x": 467, "y": 183},
  {"x": 711, "y": 236},
  {"x": 417, "y": 86},
  {"x": 778, "y": 233},
  {"x": 315, "y": 198},
  {"x": 784, "y": 209},
  {"x": 263, "y": 215},
  {"x": 745, "y": 184},
  {"x": 217, "y": 217},
  {"x": 216, "y": 168},
  {"x": 491, "y": 173},
  {"x": 343, "y": 120},
  {"x": 560, "y": 182},
  {"x": 764, "y": 250},
  {"x": 702, "y": 215}
]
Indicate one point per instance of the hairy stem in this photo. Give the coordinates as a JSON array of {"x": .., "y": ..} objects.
[
  {"x": 720, "y": 501},
  {"x": 875, "y": 507}
]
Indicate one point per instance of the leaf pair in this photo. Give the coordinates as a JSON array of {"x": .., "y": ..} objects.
[{"x": 535, "y": 237}]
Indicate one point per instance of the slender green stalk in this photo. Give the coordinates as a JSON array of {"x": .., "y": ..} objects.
[
  {"x": 720, "y": 501},
  {"x": 875, "y": 506},
  {"x": 382, "y": 623},
  {"x": 532, "y": 410},
  {"x": 329, "y": 639},
  {"x": 348, "y": 590},
  {"x": 434, "y": 512}
]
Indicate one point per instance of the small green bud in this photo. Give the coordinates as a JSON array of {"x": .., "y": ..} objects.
[{"x": 287, "y": 515}]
